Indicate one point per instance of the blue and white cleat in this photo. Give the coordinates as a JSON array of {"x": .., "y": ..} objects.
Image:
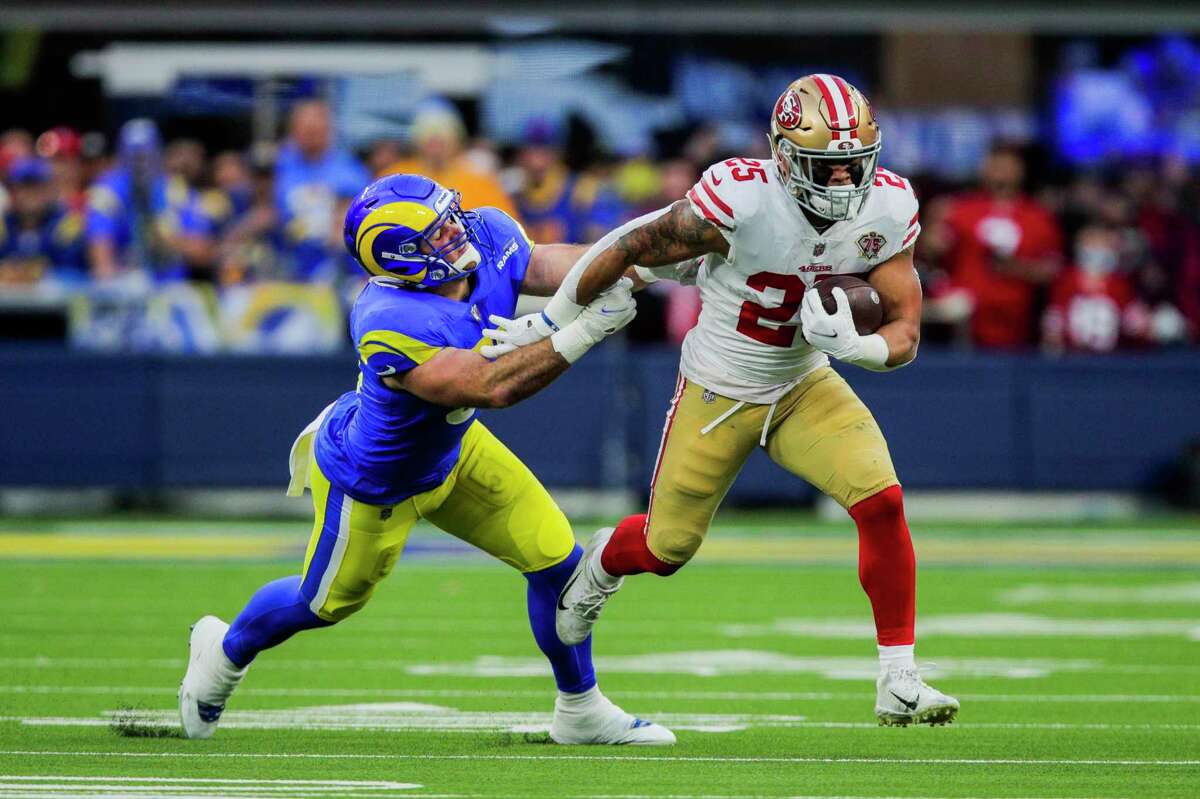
[
  {"x": 590, "y": 718},
  {"x": 903, "y": 698},
  {"x": 210, "y": 679}
]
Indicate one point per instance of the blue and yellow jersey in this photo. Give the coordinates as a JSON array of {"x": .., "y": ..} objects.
[
  {"x": 307, "y": 194},
  {"x": 382, "y": 446},
  {"x": 113, "y": 215},
  {"x": 566, "y": 207},
  {"x": 57, "y": 239}
]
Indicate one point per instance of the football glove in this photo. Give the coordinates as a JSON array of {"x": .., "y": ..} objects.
[
  {"x": 610, "y": 311},
  {"x": 509, "y": 334},
  {"x": 834, "y": 333}
]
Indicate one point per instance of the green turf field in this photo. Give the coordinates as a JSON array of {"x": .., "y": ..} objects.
[{"x": 1075, "y": 652}]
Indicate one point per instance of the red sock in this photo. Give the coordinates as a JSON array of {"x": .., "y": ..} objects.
[
  {"x": 887, "y": 567},
  {"x": 627, "y": 553}
]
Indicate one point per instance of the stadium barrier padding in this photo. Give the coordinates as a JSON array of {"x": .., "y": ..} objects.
[{"x": 70, "y": 418}]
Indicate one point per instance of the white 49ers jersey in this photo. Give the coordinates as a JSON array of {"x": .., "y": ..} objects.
[{"x": 747, "y": 344}]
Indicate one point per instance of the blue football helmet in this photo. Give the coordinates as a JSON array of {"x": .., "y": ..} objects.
[{"x": 391, "y": 226}]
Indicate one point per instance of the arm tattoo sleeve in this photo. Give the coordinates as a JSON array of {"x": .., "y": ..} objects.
[{"x": 675, "y": 236}]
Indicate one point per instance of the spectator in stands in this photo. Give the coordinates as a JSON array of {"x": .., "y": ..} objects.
[
  {"x": 62, "y": 147},
  {"x": 314, "y": 183},
  {"x": 40, "y": 237},
  {"x": 667, "y": 309},
  {"x": 437, "y": 135},
  {"x": 242, "y": 204},
  {"x": 1090, "y": 301},
  {"x": 1002, "y": 247},
  {"x": 1171, "y": 271},
  {"x": 15, "y": 144},
  {"x": 554, "y": 203},
  {"x": 184, "y": 162},
  {"x": 381, "y": 154},
  {"x": 134, "y": 224}
]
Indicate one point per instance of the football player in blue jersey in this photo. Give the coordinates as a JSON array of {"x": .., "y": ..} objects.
[{"x": 406, "y": 446}]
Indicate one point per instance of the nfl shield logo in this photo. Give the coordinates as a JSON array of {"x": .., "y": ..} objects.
[
  {"x": 818, "y": 249},
  {"x": 708, "y": 397},
  {"x": 475, "y": 313},
  {"x": 870, "y": 245}
]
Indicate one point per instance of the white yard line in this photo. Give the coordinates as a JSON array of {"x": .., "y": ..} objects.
[
  {"x": 61, "y": 787},
  {"x": 541, "y": 721},
  {"x": 21, "y": 787},
  {"x": 732, "y": 696},
  {"x": 916, "y": 761}
]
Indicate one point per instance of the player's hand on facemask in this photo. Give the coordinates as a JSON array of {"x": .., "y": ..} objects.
[{"x": 832, "y": 333}]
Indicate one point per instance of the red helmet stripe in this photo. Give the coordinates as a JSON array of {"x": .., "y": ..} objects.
[
  {"x": 833, "y": 102},
  {"x": 851, "y": 114}
]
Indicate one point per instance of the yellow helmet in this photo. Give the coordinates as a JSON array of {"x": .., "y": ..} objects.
[{"x": 821, "y": 121}]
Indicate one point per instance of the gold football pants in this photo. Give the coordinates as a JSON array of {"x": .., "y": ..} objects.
[
  {"x": 490, "y": 500},
  {"x": 820, "y": 431}
]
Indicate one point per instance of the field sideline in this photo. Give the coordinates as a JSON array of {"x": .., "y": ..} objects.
[{"x": 1073, "y": 649}]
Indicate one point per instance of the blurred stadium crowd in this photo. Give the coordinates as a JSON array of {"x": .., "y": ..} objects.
[{"x": 164, "y": 246}]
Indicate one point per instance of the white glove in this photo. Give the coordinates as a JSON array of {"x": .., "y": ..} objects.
[
  {"x": 834, "y": 333},
  {"x": 610, "y": 311},
  {"x": 508, "y": 334}
]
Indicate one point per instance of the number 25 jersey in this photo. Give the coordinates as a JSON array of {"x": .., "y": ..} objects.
[{"x": 747, "y": 344}]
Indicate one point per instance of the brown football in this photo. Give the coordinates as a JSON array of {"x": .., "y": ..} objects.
[{"x": 865, "y": 304}]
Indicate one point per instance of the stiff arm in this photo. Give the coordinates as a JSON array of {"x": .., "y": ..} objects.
[{"x": 660, "y": 238}]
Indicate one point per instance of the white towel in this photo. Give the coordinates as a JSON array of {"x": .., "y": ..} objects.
[{"x": 301, "y": 455}]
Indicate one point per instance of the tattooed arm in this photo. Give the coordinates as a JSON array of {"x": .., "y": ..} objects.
[
  {"x": 664, "y": 237},
  {"x": 674, "y": 236}
]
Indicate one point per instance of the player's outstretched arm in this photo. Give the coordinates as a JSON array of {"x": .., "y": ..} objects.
[
  {"x": 463, "y": 378},
  {"x": 674, "y": 236},
  {"x": 456, "y": 377},
  {"x": 900, "y": 291},
  {"x": 661, "y": 238}
]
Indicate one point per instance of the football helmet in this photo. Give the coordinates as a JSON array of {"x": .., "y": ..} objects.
[
  {"x": 821, "y": 121},
  {"x": 392, "y": 226}
]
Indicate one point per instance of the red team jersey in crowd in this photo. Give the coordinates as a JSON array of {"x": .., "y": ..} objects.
[
  {"x": 1003, "y": 305},
  {"x": 1088, "y": 312}
]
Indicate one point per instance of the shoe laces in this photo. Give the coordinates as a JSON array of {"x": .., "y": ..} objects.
[{"x": 589, "y": 605}]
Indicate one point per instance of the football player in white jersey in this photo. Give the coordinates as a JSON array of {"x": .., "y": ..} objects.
[{"x": 756, "y": 237}]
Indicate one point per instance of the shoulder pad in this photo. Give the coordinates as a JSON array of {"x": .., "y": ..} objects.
[{"x": 729, "y": 192}]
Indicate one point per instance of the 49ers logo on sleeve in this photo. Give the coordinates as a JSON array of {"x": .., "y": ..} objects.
[
  {"x": 870, "y": 245},
  {"x": 787, "y": 110}
]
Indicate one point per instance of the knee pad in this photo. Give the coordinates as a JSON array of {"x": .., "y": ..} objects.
[{"x": 674, "y": 547}]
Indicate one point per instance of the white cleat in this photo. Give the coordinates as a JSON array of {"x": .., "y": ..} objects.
[
  {"x": 583, "y": 597},
  {"x": 210, "y": 679},
  {"x": 903, "y": 698},
  {"x": 593, "y": 719}
]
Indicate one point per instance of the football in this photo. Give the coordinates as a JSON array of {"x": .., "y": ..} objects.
[{"x": 865, "y": 304}]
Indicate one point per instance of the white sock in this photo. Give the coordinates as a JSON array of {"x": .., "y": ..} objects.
[
  {"x": 575, "y": 703},
  {"x": 897, "y": 657},
  {"x": 602, "y": 577}
]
